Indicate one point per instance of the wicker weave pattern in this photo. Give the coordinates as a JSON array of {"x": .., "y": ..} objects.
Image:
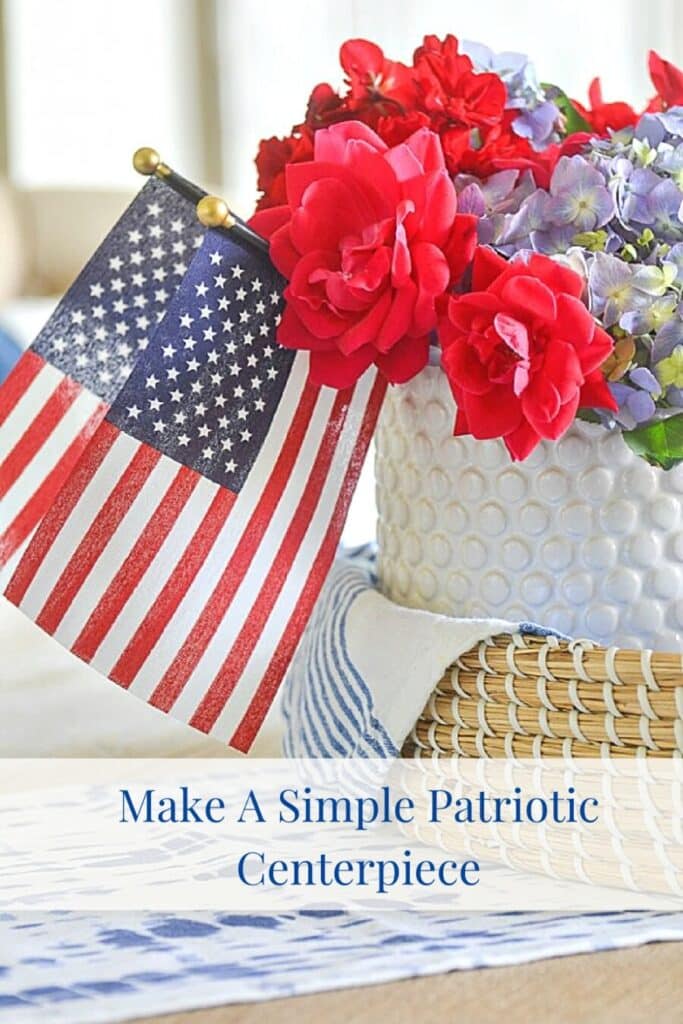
[{"x": 525, "y": 696}]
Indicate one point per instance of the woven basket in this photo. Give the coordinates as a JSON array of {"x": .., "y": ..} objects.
[{"x": 527, "y": 697}]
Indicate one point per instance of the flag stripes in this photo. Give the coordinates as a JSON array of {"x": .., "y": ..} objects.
[
  {"x": 42, "y": 446},
  {"x": 193, "y": 597}
]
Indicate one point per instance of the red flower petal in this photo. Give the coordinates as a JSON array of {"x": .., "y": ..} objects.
[
  {"x": 529, "y": 297},
  {"x": 334, "y": 370},
  {"x": 487, "y": 266}
]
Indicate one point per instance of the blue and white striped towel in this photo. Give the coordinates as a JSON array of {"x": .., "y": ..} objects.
[{"x": 366, "y": 666}]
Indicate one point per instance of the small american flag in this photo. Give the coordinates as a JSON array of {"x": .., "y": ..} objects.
[
  {"x": 59, "y": 391},
  {"x": 185, "y": 554}
]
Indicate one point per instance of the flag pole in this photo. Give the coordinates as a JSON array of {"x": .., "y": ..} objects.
[{"x": 211, "y": 211}]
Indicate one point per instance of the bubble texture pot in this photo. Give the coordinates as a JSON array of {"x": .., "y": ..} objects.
[{"x": 583, "y": 536}]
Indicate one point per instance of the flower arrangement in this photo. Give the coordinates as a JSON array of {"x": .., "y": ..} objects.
[{"x": 458, "y": 201}]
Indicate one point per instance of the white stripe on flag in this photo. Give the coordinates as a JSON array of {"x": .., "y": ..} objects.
[
  {"x": 115, "y": 551},
  {"x": 146, "y": 593},
  {"x": 29, "y": 405},
  {"x": 291, "y": 591},
  {"x": 95, "y": 494},
  {"x": 47, "y": 456}
]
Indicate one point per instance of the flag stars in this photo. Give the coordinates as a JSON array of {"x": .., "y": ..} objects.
[
  {"x": 235, "y": 369},
  {"x": 98, "y": 312},
  {"x": 209, "y": 334},
  {"x": 230, "y": 466},
  {"x": 159, "y": 274},
  {"x": 256, "y": 383},
  {"x": 245, "y": 435},
  {"x": 264, "y": 330},
  {"x": 153, "y": 209},
  {"x": 133, "y": 412},
  {"x": 151, "y": 381},
  {"x": 237, "y": 272},
  {"x": 196, "y": 387},
  {"x": 238, "y": 392},
  {"x": 176, "y": 395},
  {"x": 192, "y": 365},
  {"x": 205, "y": 313},
  {"x": 201, "y": 289},
  {"x": 259, "y": 405},
  {"x": 204, "y": 430},
  {"x": 228, "y": 326},
  {"x": 220, "y": 400},
  {"x": 159, "y": 426},
  {"x": 223, "y": 304},
  {"x": 200, "y": 409},
  {"x": 189, "y": 343},
  {"x": 242, "y": 414},
  {"x": 271, "y": 373},
  {"x": 212, "y": 356},
  {"x": 115, "y": 263},
  {"x": 256, "y": 284},
  {"x": 179, "y": 417},
  {"x": 117, "y": 285},
  {"x": 136, "y": 258},
  {"x": 178, "y": 248},
  {"x": 155, "y": 404},
  {"x": 215, "y": 259},
  {"x": 172, "y": 374},
  {"x": 260, "y": 307},
  {"x": 274, "y": 298},
  {"x": 169, "y": 351},
  {"x": 252, "y": 361},
  {"x": 231, "y": 348},
  {"x": 77, "y": 317},
  {"x": 244, "y": 316},
  {"x": 207, "y": 453},
  {"x": 183, "y": 440},
  {"x": 219, "y": 281},
  {"x": 161, "y": 295},
  {"x": 186, "y": 320},
  {"x": 240, "y": 294},
  {"x": 226, "y": 444}
]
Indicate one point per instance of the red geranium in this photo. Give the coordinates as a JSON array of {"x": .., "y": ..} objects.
[
  {"x": 377, "y": 86},
  {"x": 522, "y": 353},
  {"x": 370, "y": 240},
  {"x": 451, "y": 91},
  {"x": 272, "y": 158},
  {"x": 667, "y": 80},
  {"x": 603, "y": 116}
]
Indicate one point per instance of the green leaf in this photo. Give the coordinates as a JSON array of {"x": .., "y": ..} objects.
[
  {"x": 660, "y": 444},
  {"x": 573, "y": 119}
]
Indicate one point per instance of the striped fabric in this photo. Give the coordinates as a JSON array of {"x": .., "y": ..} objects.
[
  {"x": 366, "y": 667},
  {"x": 328, "y": 708}
]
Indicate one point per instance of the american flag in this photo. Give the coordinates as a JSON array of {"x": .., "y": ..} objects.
[
  {"x": 59, "y": 391},
  {"x": 185, "y": 554}
]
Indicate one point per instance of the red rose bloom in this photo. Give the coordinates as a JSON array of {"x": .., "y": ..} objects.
[
  {"x": 370, "y": 240},
  {"x": 522, "y": 353}
]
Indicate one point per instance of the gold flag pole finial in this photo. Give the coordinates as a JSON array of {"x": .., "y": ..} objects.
[
  {"x": 214, "y": 212},
  {"x": 146, "y": 161}
]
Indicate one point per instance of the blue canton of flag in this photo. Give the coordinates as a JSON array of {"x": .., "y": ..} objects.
[
  {"x": 59, "y": 391},
  {"x": 207, "y": 391},
  {"x": 185, "y": 554}
]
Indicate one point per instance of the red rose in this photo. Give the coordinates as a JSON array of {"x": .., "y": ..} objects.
[
  {"x": 370, "y": 240},
  {"x": 522, "y": 353},
  {"x": 603, "y": 116}
]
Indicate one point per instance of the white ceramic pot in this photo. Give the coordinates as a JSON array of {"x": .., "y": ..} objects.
[{"x": 583, "y": 536}]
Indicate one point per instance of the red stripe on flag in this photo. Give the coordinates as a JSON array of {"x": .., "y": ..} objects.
[
  {"x": 19, "y": 380},
  {"x": 40, "y": 501},
  {"x": 187, "y": 658},
  {"x": 60, "y": 511},
  {"x": 97, "y": 536},
  {"x": 135, "y": 566},
  {"x": 251, "y": 722},
  {"x": 64, "y": 395},
  {"x": 219, "y": 691},
  {"x": 174, "y": 590}
]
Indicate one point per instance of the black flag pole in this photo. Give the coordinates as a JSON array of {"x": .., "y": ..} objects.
[{"x": 211, "y": 211}]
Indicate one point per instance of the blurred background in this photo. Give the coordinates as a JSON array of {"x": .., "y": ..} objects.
[{"x": 83, "y": 83}]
